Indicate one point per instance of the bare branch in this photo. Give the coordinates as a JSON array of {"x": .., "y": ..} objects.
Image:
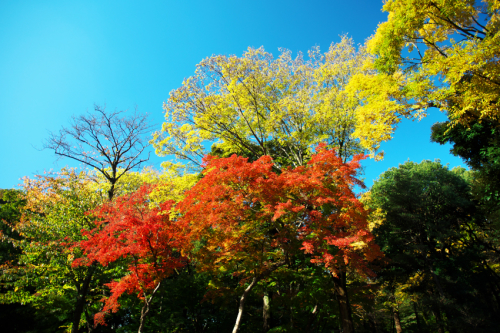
[{"x": 107, "y": 141}]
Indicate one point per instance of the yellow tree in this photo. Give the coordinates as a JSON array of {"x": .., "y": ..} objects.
[
  {"x": 430, "y": 53},
  {"x": 256, "y": 105}
]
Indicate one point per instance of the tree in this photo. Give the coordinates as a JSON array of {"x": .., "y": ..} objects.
[
  {"x": 478, "y": 145},
  {"x": 105, "y": 141},
  {"x": 129, "y": 228},
  {"x": 16, "y": 317},
  {"x": 168, "y": 184},
  {"x": 430, "y": 53},
  {"x": 110, "y": 144},
  {"x": 51, "y": 222},
  {"x": 433, "y": 234},
  {"x": 11, "y": 203},
  {"x": 255, "y": 105},
  {"x": 252, "y": 220}
]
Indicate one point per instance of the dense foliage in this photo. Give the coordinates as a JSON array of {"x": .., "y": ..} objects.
[
  {"x": 437, "y": 240},
  {"x": 430, "y": 53},
  {"x": 263, "y": 223}
]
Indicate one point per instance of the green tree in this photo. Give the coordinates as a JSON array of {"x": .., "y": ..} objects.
[
  {"x": 17, "y": 317},
  {"x": 51, "y": 222},
  {"x": 432, "y": 232},
  {"x": 478, "y": 145},
  {"x": 11, "y": 203}
]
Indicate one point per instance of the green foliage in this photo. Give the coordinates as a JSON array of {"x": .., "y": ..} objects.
[
  {"x": 478, "y": 144},
  {"x": 434, "y": 236},
  {"x": 17, "y": 318},
  {"x": 51, "y": 220},
  {"x": 11, "y": 203},
  {"x": 181, "y": 306}
]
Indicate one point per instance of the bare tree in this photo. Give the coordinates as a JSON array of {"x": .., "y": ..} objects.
[{"x": 107, "y": 141}]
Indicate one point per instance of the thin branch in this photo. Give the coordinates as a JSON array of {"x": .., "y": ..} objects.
[{"x": 92, "y": 132}]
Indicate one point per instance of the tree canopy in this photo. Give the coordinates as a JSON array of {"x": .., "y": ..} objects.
[
  {"x": 434, "y": 234},
  {"x": 257, "y": 105},
  {"x": 262, "y": 222},
  {"x": 430, "y": 53}
]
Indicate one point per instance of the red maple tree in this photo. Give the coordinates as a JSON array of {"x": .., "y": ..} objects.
[
  {"x": 146, "y": 236},
  {"x": 243, "y": 217},
  {"x": 252, "y": 219}
]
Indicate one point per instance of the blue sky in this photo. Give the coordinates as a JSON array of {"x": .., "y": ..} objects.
[{"x": 59, "y": 58}]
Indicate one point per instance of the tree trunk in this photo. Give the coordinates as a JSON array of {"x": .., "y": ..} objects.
[
  {"x": 439, "y": 319},
  {"x": 146, "y": 307},
  {"x": 437, "y": 282},
  {"x": 441, "y": 301},
  {"x": 397, "y": 321},
  {"x": 372, "y": 322},
  {"x": 494, "y": 298},
  {"x": 266, "y": 312},
  {"x": 312, "y": 318},
  {"x": 90, "y": 321},
  {"x": 417, "y": 317},
  {"x": 290, "y": 307},
  {"x": 111, "y": 191},
  {"x": 242, "y": 304},
  {"x": 345, "y": 309},
  {"x": 249, "y": 288},
  {"x": 80, "y": 300}
]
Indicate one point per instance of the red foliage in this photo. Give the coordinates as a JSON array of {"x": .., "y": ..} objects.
[
  {"x": 129, "y": 228},
  {"x": 240, "y": 216},
  {"x": 248, "y": 213}
]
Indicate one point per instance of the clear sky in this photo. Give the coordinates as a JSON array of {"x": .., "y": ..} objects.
[{"x": 59, "y": 58}]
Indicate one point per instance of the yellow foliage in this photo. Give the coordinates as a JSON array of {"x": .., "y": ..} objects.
[
  {"x": 170, "y": 184},
  {"x": 376, "y": 216},
  {"x": 256, "y": 103},
  {"x": 430, "y": 53}
]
